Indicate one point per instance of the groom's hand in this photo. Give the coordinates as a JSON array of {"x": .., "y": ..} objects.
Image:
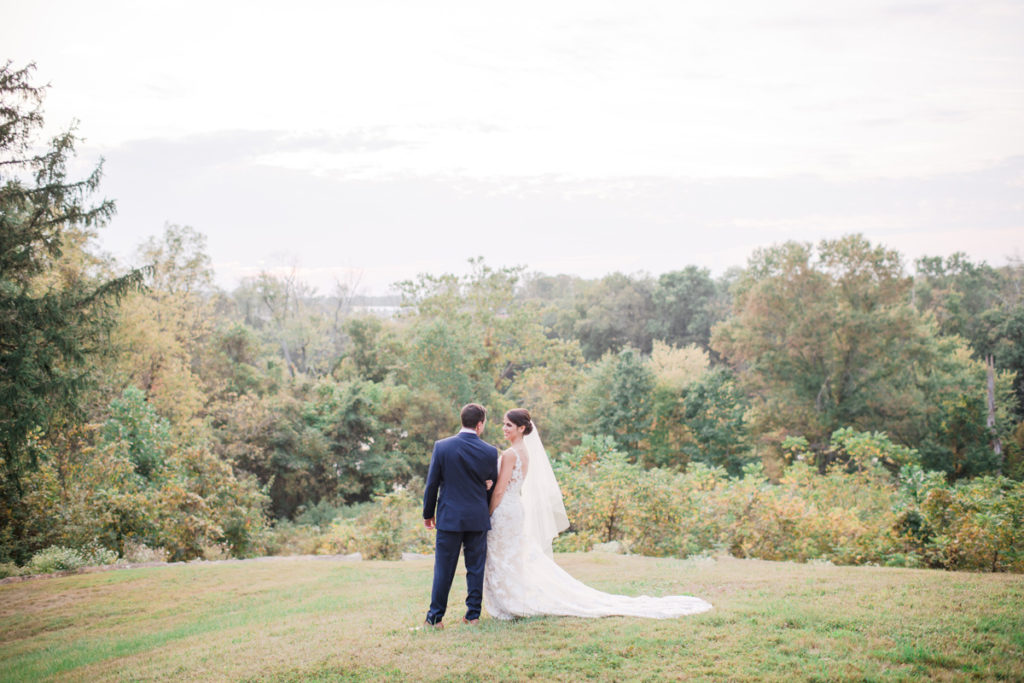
[
  {"x": 489, "y": 484},
  {"x": 429, "y": 523}
]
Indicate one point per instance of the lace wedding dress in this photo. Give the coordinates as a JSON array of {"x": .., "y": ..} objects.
[{"x": 521, "y": 578}]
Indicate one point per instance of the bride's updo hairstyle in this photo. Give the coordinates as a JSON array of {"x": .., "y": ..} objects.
[{"x": 520, "y": 417}]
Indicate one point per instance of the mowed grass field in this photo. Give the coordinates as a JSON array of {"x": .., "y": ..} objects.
[{"x": 304, "y": 619}]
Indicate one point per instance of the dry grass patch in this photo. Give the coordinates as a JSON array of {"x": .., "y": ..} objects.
[{"x": 302, "y": 619}]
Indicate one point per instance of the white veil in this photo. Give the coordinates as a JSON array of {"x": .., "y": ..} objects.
[
  {"x": 544, "y": 512},
  {"x": 522, "y": 578}
]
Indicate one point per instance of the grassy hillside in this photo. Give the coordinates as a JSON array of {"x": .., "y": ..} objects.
[{"x": 292, "y": 619}]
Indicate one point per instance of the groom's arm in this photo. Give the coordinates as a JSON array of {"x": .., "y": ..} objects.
[
  {"x": 430, "y": 492},
  {"x": 492, "y": 476}
]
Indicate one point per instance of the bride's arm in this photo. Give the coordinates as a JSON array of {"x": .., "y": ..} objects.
[{"x": 504, "y": 476}]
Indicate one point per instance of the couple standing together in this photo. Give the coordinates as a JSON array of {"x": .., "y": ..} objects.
[{"x": 505, "y": 531}]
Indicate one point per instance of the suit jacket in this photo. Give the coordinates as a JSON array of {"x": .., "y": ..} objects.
[{"x": 456, "y": 483}]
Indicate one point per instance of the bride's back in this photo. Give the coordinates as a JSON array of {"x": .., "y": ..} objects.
[{"x": 524, "y": 462}]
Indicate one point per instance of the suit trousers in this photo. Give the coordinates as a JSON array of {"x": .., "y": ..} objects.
[{"x": 446, "y": 557}]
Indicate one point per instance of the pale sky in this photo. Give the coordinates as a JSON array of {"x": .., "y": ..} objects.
[{"x": 370, "y": 141}]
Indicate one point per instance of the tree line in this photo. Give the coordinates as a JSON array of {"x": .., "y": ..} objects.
[{"x": 149, "y": 408}]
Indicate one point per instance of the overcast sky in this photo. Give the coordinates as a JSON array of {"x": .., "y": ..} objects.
[{"x": 370, "y": 141}]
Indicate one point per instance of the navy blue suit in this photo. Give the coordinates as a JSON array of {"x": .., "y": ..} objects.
[{"x": 456, "y": 497}]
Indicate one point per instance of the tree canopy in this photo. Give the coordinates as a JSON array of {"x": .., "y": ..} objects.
[{"x": 151, "y": 409}]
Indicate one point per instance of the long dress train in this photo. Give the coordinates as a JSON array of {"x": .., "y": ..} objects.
[{"x": 522, "y": 580}]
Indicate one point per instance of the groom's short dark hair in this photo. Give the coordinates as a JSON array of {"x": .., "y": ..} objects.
[{"x": 473, "y": 414}]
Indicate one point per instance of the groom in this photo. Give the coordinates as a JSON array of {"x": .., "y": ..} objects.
[{"x": 460, "y": 467}]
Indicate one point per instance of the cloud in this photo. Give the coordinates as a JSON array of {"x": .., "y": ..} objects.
[
  {"x": 330, "y": 225},
  {"x": 394, "y": 137},
  {"x": 230, "y": 147},
  {"x": 872, "y": 88}
]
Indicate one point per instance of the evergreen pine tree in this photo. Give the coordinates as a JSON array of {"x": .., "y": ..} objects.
[{"x": 52, "y": 319}]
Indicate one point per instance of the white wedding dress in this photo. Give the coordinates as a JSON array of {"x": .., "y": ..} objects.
[{"x": 521, "y": 578}]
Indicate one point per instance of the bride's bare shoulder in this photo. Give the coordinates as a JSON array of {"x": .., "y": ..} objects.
[{"x": 513, "y": 451}]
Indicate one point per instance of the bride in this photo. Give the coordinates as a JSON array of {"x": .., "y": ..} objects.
[{"x": 521, "y": 578}]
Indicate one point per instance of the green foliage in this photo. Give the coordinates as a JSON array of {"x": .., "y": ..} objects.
[
  {"x": 822, "y": 335},
  {"x": 56, "y": 559},
  {"x": 598, "y": 484},
  {"x": 220, "y": 507},
  {"x": 286, "y": 537},
  {"x": 268, "y": 437},
  {"x": 176, "y": 417},
  {"x": 135, "y": 432},
  {"x": 976, "y": 524},
  {"x": 97, "y": 555},
  {"x": 824, "y": 338},
  {"x": 687, "y": 303},
  {"x": 386, "y": 532},
  {"x": 863, "y": 450},
  {"x": 983, "y": 305},
  {"x": 964, "y": 439},
  {"x": 325, "y": 444},
  {"x": 674, "y": 371},
  {"x": 443, "y": 356},
  {"x": 669, "y": 435},
  {"x": 55, "y": 304},
  {"x": 715, "y": 414},
  {"x": 1013, "y": 449},
  {"x": 470, "y": 337},
  {"x": 373, "y": 351},
  {"x": 474, "y": 338},
  {"x": 840, "y": 517},
  {"x": 319, "y": 514},
  {"x": 959, "y": 441},
  {"x": 618, "y": 400},
  {"x": 92, "y": 495},
  {"x": 381, "y": 529},
  {"x": 1006, "y": 341},
  {"x": 345, "y": 414},
  {"x": 9, "y": 569},
  {"x": 185, "y": 500},
  {"x": 235, "y": 362},
  {"x": 287, "y": 316},
  {"x": 854, "y": 513},
  {"x": 853, "y": 451},
  {"x": 163, "y": 334},
  {"x": 958, "y": 293},
  {"x": 614, "y": 313}
]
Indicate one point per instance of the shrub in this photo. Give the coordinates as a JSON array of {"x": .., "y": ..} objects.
[
  {"x": 96, "y": 555},
  {"x": 855, "y": 512},
  {"x": 215, "y": 552},
  {"x": 137, "y": 552},
  {"x": 841, "y": 517},
  {"x": 862, "y": 450},
  {"x": 383, "y": 530},
  {"x": 977, "y": 524},
  {"x": 319, "y": 514},
  {"x": 289, "y": 538},
  {"x": 342, "y": 538},
  {"x": 10, "y": 569},
  {"x": 131, "y": 482},
  {"x": 598, "y": 486},
  {"x": 56, "y": 558}
]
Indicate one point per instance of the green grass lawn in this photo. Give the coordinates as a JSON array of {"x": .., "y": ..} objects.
[{"x": 299, "y": 619}]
